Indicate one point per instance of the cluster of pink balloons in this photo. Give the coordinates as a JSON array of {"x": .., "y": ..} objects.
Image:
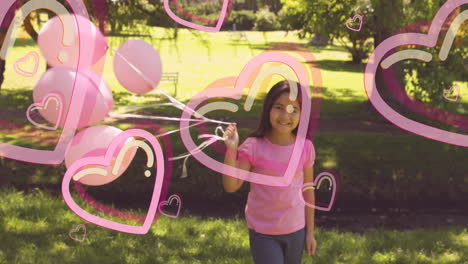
[{"x": 72, "y": 45}]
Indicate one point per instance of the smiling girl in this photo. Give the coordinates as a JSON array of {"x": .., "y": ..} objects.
[{"x": 279, "y": 223}]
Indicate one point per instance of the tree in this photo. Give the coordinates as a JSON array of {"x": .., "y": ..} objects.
[
  {"x": 326, "y": 19},
  {"x": 5, "y": 24}
]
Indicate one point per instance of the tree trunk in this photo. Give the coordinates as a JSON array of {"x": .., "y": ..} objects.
[
  {"x": 28, "y": 27},
  {"x": 2, "y": 71}
]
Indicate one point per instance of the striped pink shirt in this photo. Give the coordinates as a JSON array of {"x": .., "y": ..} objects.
[{"x": 275, "y": 210}]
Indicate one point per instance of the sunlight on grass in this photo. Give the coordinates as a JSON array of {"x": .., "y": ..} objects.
[{"x": 37, "y": 225}]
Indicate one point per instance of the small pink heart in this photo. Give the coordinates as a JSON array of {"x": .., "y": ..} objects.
[
  {"x": 27, "y": 65},
  {"x": 81, "y": 167},
  {"x": 352, "y": 21},
  {"x": 51, "y": 100},
  {"x": 224, "y": 14},
  {"x": 167, "y": 207},
  {"x": 326, "y": 175},
  {"x": 447, "y": 93},
  {"x": 75, "y": 233}
]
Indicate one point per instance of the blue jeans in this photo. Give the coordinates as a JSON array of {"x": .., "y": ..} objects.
[{"x": 277, "y": 249}]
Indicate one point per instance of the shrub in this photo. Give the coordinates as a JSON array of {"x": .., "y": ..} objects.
[
  {"x": 266, "y": 20},
  {"x": 244, "y": 20}
]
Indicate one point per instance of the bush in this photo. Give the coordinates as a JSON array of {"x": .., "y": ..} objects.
[
  {"x": 244, "y": 20},
  {"x": 266, "y": 20}
]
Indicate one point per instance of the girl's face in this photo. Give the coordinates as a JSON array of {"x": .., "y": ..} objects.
[{"x": 284, "y": 115}]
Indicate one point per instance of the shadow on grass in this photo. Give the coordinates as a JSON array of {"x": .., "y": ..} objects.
[
  {"x": 25, "y": 42},
  {"x": 340, "y": 66},
  {"x": 37, "y": 228},
  {"x": 15, "y": 98}
]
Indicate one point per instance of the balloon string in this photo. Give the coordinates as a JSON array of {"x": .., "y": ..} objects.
[
  {"x": 166, "y": 118},
  {"x": 175, "y": 102},
  {"x": 127, "y": 109},
  {"x": 212, "y": 139}
]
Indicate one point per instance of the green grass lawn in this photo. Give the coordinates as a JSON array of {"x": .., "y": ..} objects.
[{"x": 34, "y": 228}]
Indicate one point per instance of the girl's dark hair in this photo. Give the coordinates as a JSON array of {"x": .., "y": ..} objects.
[{"x": 275, "y": 92}]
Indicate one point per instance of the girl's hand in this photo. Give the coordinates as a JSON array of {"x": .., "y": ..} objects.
[
  {"x": 231, "y": 136},
  {"x": 311, "y": 244}
]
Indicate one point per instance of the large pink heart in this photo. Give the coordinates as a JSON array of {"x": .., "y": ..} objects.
[
  {"x": 55, "y": 156},
  {"x": 84, "y": 164},
  {"x": 428, "y": 40},
  {"x": 311, "y": 61},
  {"x": 167, "y": 179},
  {"x": 236, "y": 94},
  {"x": 222, "y": 17},
  {"x": 412, "y": 103}
]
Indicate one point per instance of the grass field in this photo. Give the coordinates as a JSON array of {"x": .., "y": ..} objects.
[{"x": 35, "y": 229}]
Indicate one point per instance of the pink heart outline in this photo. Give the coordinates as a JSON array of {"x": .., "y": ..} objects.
[
  {"x": 85, "y": 197},
  {"x": 361, "y": 20},
  {"x": 413, "y": 104},
  {"x": 169, "y": 202},
  {"x": 197, "y": 18},
  {"x": 236, "y": 94},
  {"x": 76, "y": 229},
  {"x": 314, "y": 184},
  {"x": 40, "y": 106},
  {"x": 316, "y": 102},
  {"x": 56, "y": 156},
  {"x": 17, "y": 65},
  {"x": 186, "y": 23},
  {"x": 428, "y": 40},
  {"x": 98, "y": 161},
  {"x": 449, "y": 90}
]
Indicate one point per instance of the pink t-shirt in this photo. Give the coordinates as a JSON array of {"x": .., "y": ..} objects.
[{"x": 275, "y": 210}]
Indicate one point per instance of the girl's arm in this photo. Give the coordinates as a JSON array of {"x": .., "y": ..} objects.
[
  {"x": 309, "y": 197},
  {"x": 232, "y": 141}
]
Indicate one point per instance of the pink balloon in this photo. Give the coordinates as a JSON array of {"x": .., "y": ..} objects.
[
  {"x": 64, "y": 50},
  {"x": 135, "y": 59},
  {"x": 93, "y": 142},
  {"x": 59, "y": 81}
]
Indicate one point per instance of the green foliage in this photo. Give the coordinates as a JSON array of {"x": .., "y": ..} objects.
[
  {"x": 266, "y": 20},
  {"x": 119, "y": 18},
  {"x": 244, "y": 20},
  {"x": 326, "y": 20},
  {"x": 292, "y": 15},
  {"x": 426, "y": 81}
]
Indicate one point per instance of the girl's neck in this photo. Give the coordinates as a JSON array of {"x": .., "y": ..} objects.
[{"x": 281, "y": 139}]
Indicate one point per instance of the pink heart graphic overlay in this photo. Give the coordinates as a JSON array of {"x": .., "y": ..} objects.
[
  {"x": 225, "y": 9},
  {"x": 427, "y": 40},
  {"x": 316, "y": 185},
  {"x": 56, "y": 155},
  {"x": 236, "y": 94},
  {"x": 45, "y": 104},
  {"x": 75, "y": 233},
  {"x": 204, "y": 20},
  {"x": 351, "y": 21},
  {"x": 169, "y": 203},
  {"x": 167, "y": 178},
  {"x": 412, "y": 103},
  {"x": 308, "y": 57},
  {"x": 83, "y": 163},
  {"x": 449, "y": 91},
  {"x": 23, "y": 65}
]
